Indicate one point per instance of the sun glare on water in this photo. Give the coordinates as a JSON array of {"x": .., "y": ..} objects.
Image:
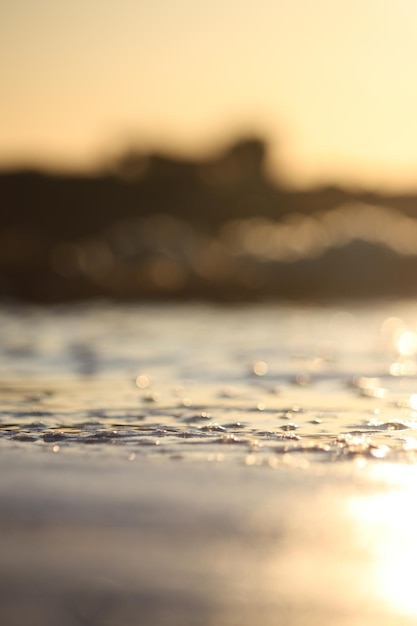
[
  {"x": 387, "y": 523},
  {"x": 407, "y": 343}
]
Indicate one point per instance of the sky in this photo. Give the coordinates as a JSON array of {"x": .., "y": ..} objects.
[{"x": 331, "y": 84}]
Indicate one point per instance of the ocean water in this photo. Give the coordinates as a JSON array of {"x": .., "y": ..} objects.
[
  {"x": 253, "y": 384},
  {"x": 197, "y": 464}
]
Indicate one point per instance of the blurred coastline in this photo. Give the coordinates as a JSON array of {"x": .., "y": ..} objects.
[{"x": 151, "y": 226}]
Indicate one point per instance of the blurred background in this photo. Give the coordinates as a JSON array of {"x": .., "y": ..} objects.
[{"x": 226, "y": 151}]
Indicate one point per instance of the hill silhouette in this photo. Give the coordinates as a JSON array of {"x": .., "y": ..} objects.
[{"x": 154, "y": 225}]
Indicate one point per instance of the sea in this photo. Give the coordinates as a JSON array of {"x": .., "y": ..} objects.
[{"x": 214, "y": 465}]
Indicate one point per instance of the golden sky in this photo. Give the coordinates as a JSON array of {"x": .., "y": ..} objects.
[{"x": 331, "y": 83}]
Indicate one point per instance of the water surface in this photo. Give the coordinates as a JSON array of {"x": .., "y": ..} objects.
[
  {"x": 240, "y": 384},
  {"x": 191, "y": 464}
]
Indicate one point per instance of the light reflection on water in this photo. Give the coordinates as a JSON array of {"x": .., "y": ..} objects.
[{"x": 387, "y": 523}]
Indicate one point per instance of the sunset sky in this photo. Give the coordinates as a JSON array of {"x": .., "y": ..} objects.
[{"x": 331, "y": 83}]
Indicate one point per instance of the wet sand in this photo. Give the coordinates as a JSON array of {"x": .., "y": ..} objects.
[{"x": 88, "y": 541}]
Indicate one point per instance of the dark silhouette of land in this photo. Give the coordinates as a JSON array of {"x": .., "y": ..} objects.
[{"x": 153, "y": 225}]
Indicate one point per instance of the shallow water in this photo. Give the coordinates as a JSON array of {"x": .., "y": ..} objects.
[
  {"x": 191, "y": 464},
  {"x": 260, "y": 384}
]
